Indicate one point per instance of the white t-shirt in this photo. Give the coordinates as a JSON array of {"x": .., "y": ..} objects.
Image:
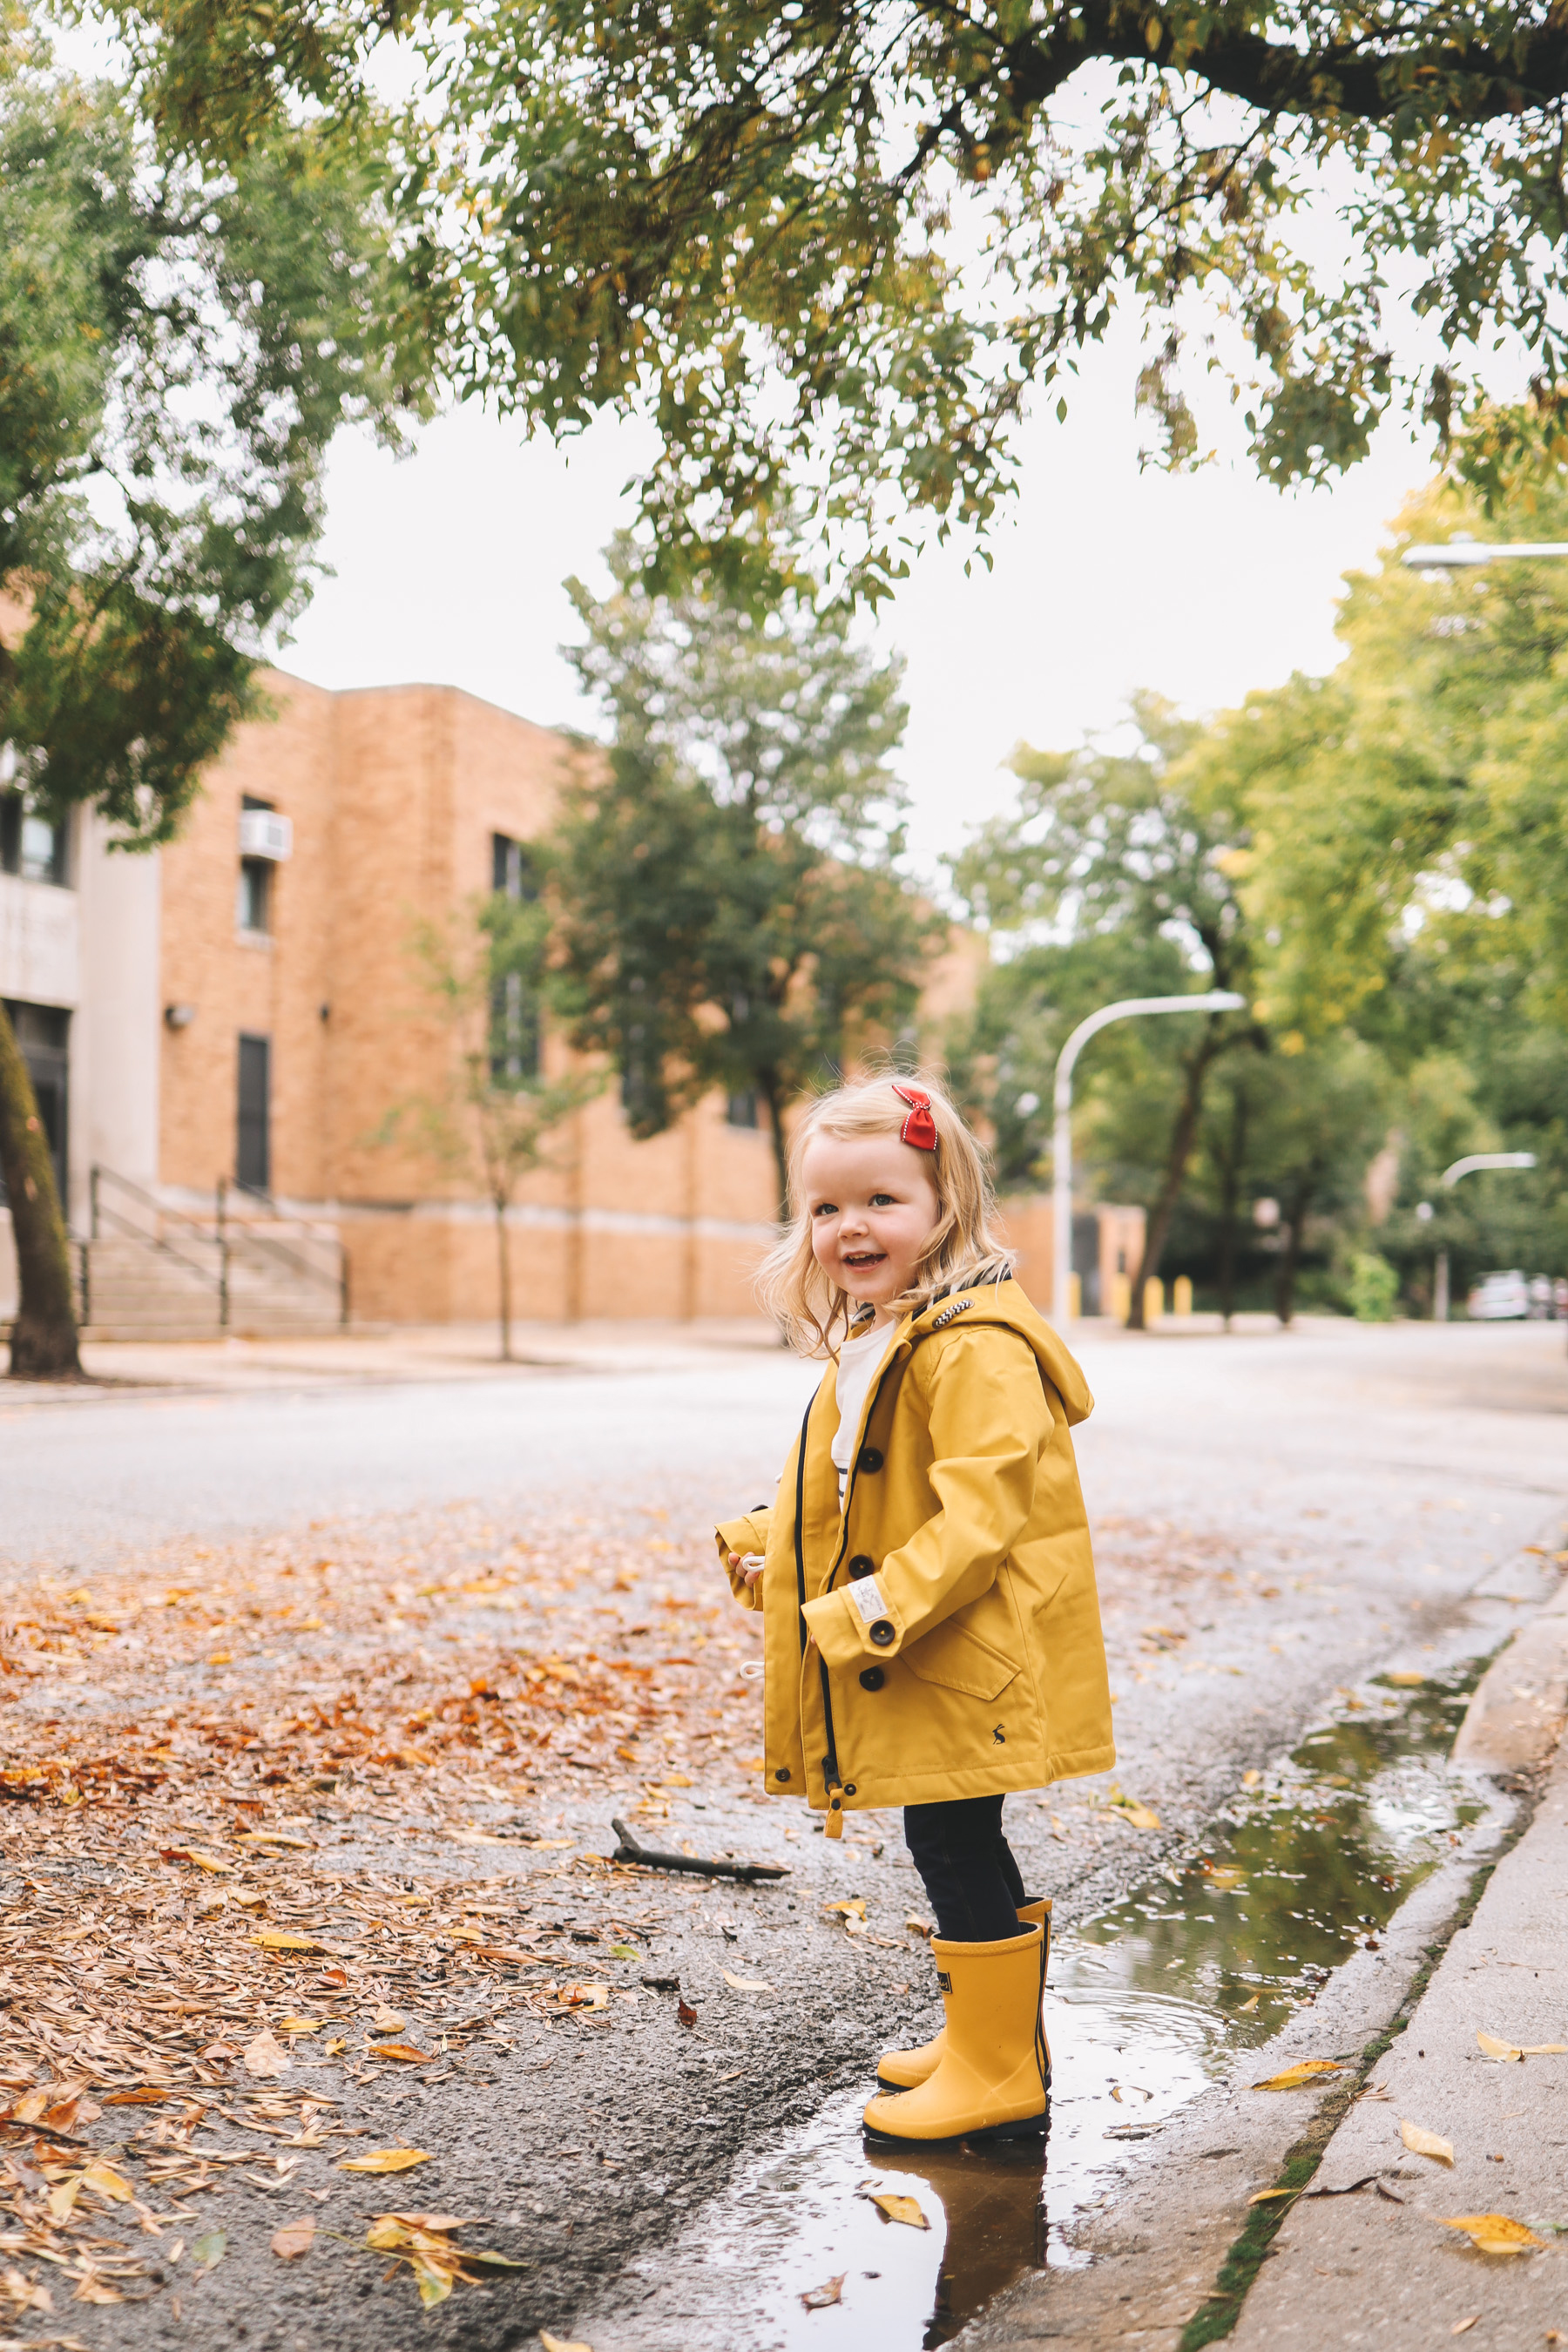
[{"x": 859, "y": 1361}]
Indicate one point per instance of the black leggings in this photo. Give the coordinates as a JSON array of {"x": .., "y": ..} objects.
[{"x": 971, "y": 1878}]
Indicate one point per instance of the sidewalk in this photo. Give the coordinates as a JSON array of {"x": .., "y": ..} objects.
[
  {"x": 1375, "y": 2266},
  {"x": 373, "y": 1355}
]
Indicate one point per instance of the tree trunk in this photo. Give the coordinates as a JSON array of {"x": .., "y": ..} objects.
[
  {"x": 1230, "y": 1189},
  {"x": 1183, "y": 1135},
  {"x": 772, "y": 1094},
  {"x": 503, "y": 1278},
  {"x": 1291, "y": 1255},
  {"x": 44, "y": 1337}
]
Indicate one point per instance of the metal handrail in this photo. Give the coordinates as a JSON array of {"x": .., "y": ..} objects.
[
  {"x": 228, "y": 1235},
  {"x": 102, "y": 1214},
  {"x": 278, "y": 1250}
]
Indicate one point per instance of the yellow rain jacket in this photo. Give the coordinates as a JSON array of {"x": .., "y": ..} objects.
[{"x": 956, "y": 1648}]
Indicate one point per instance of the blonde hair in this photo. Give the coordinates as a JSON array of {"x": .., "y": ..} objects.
[{"x": 960, "y": 1250}]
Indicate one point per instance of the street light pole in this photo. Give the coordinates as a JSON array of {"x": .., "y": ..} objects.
[
  {"x": 1216, "y": 999},
  {"x": 1465, "y": 554},
  {"x": 1450, "y": 1177}
]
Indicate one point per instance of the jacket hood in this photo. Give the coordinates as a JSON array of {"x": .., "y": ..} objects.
[{"x": 1006, "y": 1303}]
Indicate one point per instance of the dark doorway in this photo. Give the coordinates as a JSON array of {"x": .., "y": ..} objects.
[
  {"x": 253, "y": 1148},
  {"x": 43, "y": 1037}
]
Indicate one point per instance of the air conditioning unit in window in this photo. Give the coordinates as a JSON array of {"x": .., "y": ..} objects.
[{"x": 264, "y": 834}]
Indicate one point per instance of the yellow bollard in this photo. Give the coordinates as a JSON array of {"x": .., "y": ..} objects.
[
  {"x": 1153, "y": 1301},
  {"x": 1182, "y": 1294},
  {"x": 1075, "y": 1296},
  {"x": 1120, "y": 1297}
]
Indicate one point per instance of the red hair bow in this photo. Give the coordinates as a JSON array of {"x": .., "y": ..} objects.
[{"x": 919, "y": 1127}]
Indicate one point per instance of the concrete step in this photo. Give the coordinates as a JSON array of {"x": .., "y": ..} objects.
[{"x": 136, "y": 1290}]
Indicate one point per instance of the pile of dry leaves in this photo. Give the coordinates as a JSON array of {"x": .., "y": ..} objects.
[{"x": 201, "y": 1762}]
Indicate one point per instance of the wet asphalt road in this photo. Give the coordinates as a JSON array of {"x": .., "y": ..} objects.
[{"x": 1277, "y": 1516}]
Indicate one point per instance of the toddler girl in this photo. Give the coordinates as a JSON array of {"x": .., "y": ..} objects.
[{"x": 930, "y": 1629}]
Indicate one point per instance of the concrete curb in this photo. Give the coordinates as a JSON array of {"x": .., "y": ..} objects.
[
  {"x": 1516, "y": 1714},
  {"x": 1363, "y": 2270},
  {"x": 1150, "y": 2256}
]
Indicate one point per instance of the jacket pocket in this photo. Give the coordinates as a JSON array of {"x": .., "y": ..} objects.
[{"x": 959, "y": 1660}]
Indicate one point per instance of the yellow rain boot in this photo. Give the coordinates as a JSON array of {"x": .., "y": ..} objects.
[
  {"x": 901, "y": 2070},
  {"x": 993, "y": 2080}
]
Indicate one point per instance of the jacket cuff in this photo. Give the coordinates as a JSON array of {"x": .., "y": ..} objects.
[
  {"x": 842, "y": 1629},
  {"x": 742, "y": 1536}
]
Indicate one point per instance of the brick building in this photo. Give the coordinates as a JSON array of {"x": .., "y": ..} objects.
[{"x": 242, "y": 1009}]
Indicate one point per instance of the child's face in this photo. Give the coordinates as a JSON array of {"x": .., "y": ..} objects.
[{"x": 872, "y": 1206}]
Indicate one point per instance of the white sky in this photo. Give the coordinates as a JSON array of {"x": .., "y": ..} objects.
[{"x": 448, "y": 568}]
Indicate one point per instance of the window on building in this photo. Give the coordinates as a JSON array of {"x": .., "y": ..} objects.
[
  {"x": 253, "y": 904},
  {"x": 253, "y": 908},
  {"x": 514, "y": 872},
  {"x": 516, "y": 1028},
  {"x": 42, "y": 1039},
  {"x": 743, "y": 1109},
  {"x": 30, "y": 845},
  {"x": 253, "y": 1142}
]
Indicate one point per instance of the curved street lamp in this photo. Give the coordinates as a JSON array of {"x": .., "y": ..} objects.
[
  {"x": 1464, "y": 554},
  {"x": 1214, "y": 999},
  {"x": 1450, "y": 1177}
]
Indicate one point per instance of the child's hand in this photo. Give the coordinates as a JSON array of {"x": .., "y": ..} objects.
[{"x": 750, "y": 1564}]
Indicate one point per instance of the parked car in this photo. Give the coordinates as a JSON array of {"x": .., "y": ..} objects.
[{"x": 1499, "y": 1298}]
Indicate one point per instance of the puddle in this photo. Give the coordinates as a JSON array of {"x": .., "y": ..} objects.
[{"x": 1146, "y": 2000}]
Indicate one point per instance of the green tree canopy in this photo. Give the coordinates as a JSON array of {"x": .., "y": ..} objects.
[
  {"x": 1114, "y": 874},
  {"x": 1417, "y": 789},
  {"x": 178, "y": 344},
  {"x": 843, "y": 245},
  {"x": 731, "y": 910}
]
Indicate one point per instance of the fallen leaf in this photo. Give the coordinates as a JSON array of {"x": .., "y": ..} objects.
[
  {"x": 402, "y": 2051},
  {"x": 109, "y": 2183},
  {"x": 686, "y": 2013},
  {"x": 302, "y": 2024},
  {"x": 146, "y": 2095},
  {"x": 221, "y": 1658},
  {"x": 387, "y": 2021},
  {"x": 920, "y": 1926},
  {"x": 853, "y": 1909},
  {"x": 678, "y": 1780},
  {"x": 294, "y": 2238},
  {"x": 898, "y": 2209},
  {"x": 1494, "y": 2233},
  {"x": 335, "y": 2046},
  {"x": 584, "y": 1996},
  {"x": 1494, "y": 2047},
  {"x": 816, "y": 2298},
  {"x": 559, "y": 2343},
  {"x": 94, "y": 2289},
  {"x": 1268, "y": 2195},
  {"x": 210, "y": 2248},
  {"x": 1249, "y": 2004},
  {"x": 386, "y": 2159},
  {"x": 1294, "y": 2077},
  {"x": 1463, "y": 2326},
  {"x": 747, "y": 1984},
  {"x": 265, "y": 2055},
  {"x": 1250, "y": 1779},
  {"x": 284, "y": 1939},
  {"x": 1425, "y": 2142},
  {"x": 194, "y": 1853},
  {"x": 1405, "y": 1679},
  {"x": 1136, "y": 1816}
]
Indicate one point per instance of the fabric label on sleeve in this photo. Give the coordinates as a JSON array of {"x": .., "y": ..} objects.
[{"x": 867, "y": 1596}]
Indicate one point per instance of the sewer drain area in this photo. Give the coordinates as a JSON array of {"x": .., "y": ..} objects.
[{"x": 1147, "y": 2002}]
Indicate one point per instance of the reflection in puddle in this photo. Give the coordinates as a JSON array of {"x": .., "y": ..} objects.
[{"x": 1145, "y": 2001}]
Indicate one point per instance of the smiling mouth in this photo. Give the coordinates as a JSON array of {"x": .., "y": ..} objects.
[{"x": 859, "y": 1259}]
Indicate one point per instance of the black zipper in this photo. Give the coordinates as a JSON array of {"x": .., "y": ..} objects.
[{"x": 830, "y": 1761}]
